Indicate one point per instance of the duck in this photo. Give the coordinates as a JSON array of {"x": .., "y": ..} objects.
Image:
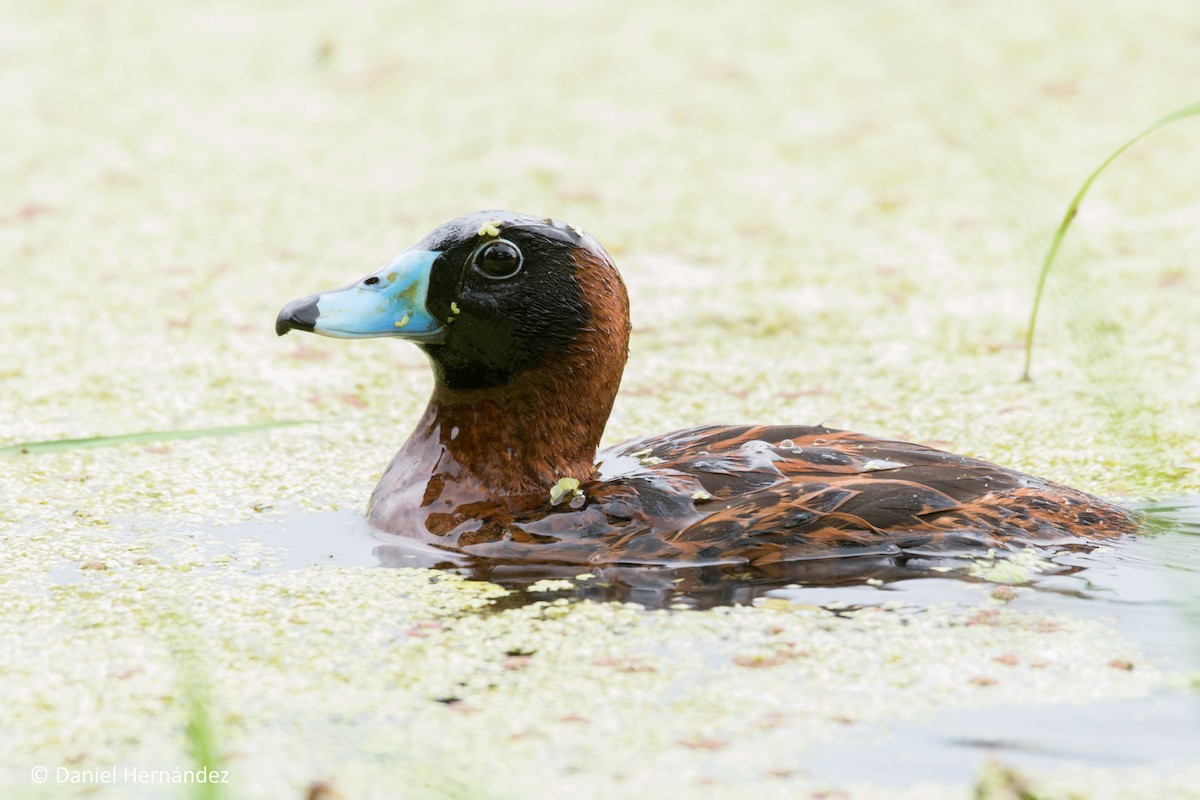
[{"x": 525, "y": 323}]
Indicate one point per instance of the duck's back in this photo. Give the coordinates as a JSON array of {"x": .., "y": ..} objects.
[{"x": 762, "y": 495}]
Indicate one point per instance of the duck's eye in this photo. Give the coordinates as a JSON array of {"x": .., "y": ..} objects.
[
  {"x": 498, "y": 259},
  {"x": 371, "y": 281}
]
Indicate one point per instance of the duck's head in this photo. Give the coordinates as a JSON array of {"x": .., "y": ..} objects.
[{"x": 488, "y": 296}]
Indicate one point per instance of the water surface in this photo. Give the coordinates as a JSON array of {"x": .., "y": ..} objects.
[{"x": 1147, "y": 587}]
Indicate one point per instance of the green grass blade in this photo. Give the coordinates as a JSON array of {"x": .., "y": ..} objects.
[
  {"x": 58, "y": 445},
  {"x": 201, "y": 736},
  {"x": 1069, "y": 217}
]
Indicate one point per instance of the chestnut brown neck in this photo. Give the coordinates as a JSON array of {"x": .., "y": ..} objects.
[{"x": 545, "y": 424}]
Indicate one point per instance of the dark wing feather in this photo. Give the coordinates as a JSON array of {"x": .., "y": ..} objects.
[
  {"x": 764, "y": 495},
  {"x": 805, "y": 492}
]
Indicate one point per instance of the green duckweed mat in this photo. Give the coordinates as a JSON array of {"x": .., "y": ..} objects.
[{"x": 822, "y": 214}]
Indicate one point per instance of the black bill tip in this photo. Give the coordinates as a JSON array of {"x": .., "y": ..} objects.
[{"x": 300, "y": 315}]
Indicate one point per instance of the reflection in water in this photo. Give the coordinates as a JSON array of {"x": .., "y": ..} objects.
[{"x": 692, "y": 585}]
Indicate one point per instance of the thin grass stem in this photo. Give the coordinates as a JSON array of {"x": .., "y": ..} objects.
[
  {"x": 1069, "y": 217},
  {"x": 58, "y": 445}
]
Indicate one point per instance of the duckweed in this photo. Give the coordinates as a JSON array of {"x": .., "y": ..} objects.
[
  {"x": 784, "y": 265},
  {"x": 565, "y": 489}
]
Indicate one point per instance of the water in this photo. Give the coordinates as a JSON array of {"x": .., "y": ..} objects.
[
  {"x": 1147, "y": 587},
  {"x": 1161, "y": 731}
]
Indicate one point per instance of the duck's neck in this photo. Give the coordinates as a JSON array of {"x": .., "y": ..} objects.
[{"x": 520, "y": 438}]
